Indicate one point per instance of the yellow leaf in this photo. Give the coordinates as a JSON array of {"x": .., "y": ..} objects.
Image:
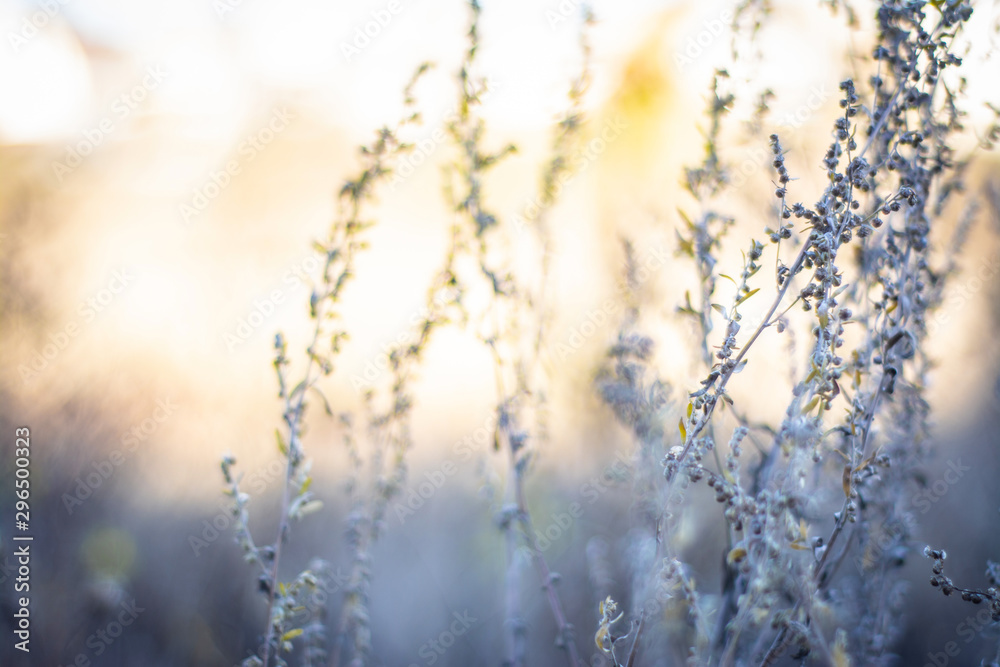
[
  {"x": 291, "y": 634},
  {"x": 814, "y": 372},
  {"x": 684, "y": 434},
  {"x": 736, "y": 555},
  {"x": 747, "y": 296},
  {"x": 600, "y": 638},
  {"x": 839, "y": 653}
]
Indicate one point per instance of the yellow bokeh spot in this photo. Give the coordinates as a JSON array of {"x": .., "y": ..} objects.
[{"x": 109, "y": 553}]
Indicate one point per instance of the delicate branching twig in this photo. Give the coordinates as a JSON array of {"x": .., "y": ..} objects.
[{"x": 338, "y": 253}]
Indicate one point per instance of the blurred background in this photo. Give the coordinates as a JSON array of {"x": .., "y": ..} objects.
[{"x": 166, "y": 167}]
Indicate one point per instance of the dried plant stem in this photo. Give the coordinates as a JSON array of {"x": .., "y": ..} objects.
[
  {"x": 565, "y": 639},
  {"x": 515, "y": 635},
  {"x": 293, "y": 420},
  {"x": 634, "y": 651},
  {"x": 726, "y": 375}
]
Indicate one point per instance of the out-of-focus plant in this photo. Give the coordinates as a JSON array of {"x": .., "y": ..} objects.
[
  {"x": 378, "y": 471},
  {"x": 856, "y": 273},
  {"x": 288, "y": 602},
  {"x": 855, "y": 432}
]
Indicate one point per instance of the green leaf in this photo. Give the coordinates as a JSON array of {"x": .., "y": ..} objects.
[
  {"x": 282, "y": 447},
  {"x": 291, "y": 634}
]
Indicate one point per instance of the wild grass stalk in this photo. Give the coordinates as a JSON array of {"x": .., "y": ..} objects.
[{"x": 857, "y": 273}]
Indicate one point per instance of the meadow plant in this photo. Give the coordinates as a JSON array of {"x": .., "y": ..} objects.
[
  {"x": 780, "y": 593},
  {"x": 286, "y": 602},
  {"x": 856, "y": 273}
]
